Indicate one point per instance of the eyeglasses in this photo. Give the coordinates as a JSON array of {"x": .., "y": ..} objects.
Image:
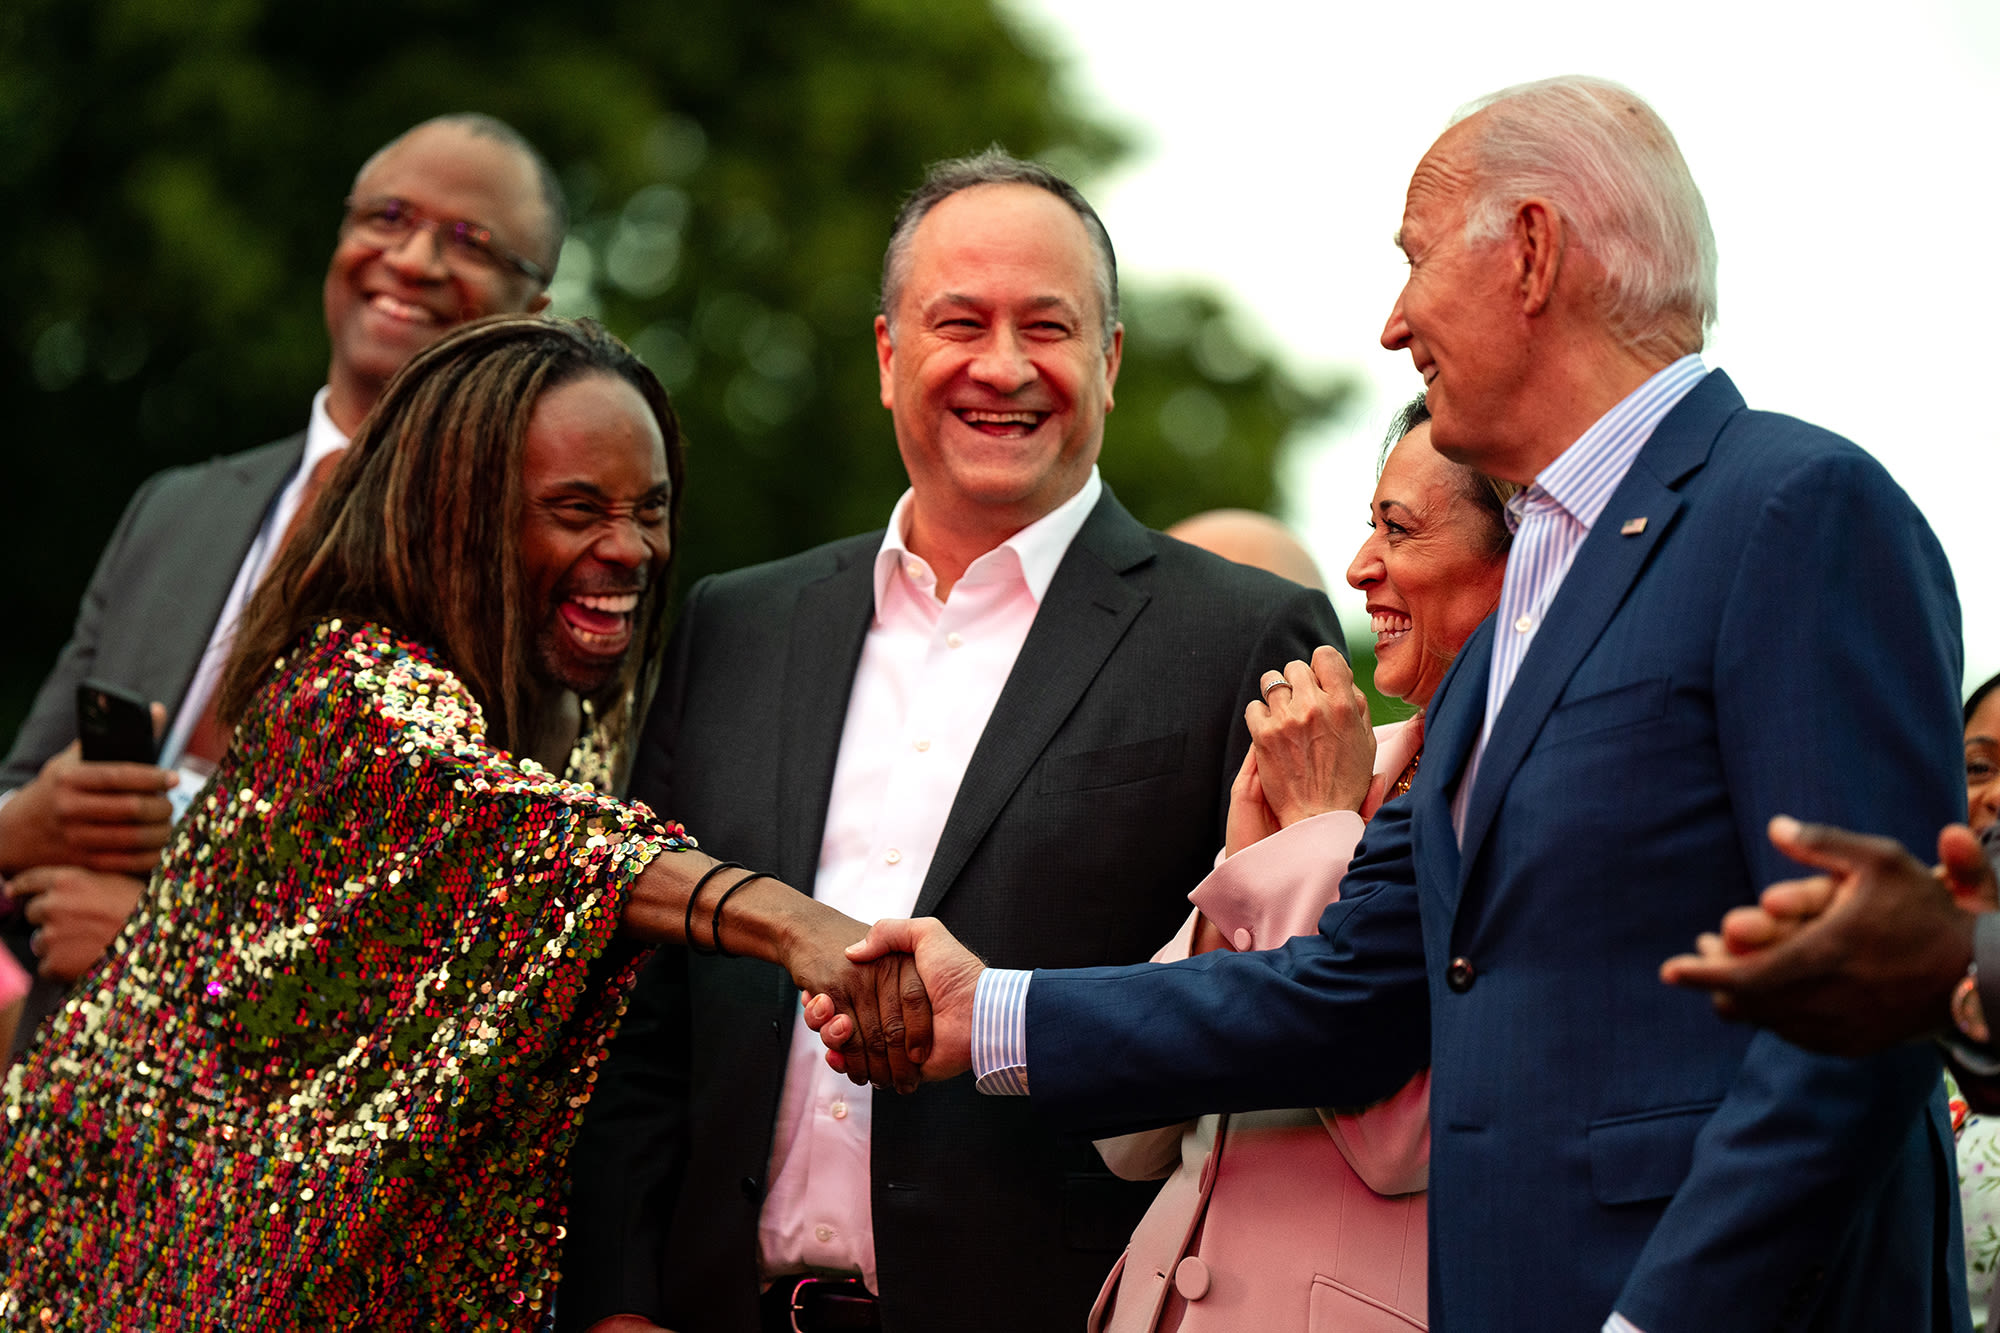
[{"x": 464, "y": 246}]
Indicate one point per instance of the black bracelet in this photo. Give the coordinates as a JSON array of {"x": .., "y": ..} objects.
[
  {"x": 715, "y": 923},
  {"x": 687, "y": 920}
]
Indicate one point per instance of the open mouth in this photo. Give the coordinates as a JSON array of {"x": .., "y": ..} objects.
[
  {"x": 1389, "y": 627},
  {"x": 1001, "y": 425},
  {"x": 403, "y": 312},
  {"x": 599, "y": 623}
]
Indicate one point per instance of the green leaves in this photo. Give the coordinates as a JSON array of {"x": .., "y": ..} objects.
[{"x": 175, "y": 173}]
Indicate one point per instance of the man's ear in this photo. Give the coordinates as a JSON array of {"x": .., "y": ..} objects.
[
  {"x": 885, "y": 351},
  {"x": 1539, "y": 237},
  {"x": 1114, "y": 356}
]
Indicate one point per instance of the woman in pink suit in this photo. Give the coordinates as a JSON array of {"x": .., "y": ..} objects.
[{"x": 1314, "y": 1219}]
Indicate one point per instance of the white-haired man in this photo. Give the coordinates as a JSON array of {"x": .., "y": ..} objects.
[{"x": 1672, "y": 664}]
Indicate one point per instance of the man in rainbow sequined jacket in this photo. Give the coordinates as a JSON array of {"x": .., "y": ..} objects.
[{"x": 330, "y": 1074}]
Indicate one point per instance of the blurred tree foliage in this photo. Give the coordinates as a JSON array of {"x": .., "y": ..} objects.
[{"x": 173, "y": 175}]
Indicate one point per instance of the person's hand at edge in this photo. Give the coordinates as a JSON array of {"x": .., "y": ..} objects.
[
  {"x": 950, "y": 975},
  {"x": 110, "y": 817},
  {"x": 76, "y": 914},
  {"x": 1851, "y": 961}
]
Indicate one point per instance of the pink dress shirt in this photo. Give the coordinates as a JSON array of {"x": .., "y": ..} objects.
[
  {"x": 930, "y": 673},
  {"x": 1277, "y": 1221}
]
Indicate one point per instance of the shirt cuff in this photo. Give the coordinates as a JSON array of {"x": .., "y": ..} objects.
[
  {"x": 1618, "y": 1323},
  {"x": 1000, "y": 1032}
]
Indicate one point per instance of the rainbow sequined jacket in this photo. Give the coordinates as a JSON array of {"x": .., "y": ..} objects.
[{"x": 329, "y": 1075}]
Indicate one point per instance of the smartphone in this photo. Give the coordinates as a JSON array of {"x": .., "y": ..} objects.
[{"x": 114, "y": 725}]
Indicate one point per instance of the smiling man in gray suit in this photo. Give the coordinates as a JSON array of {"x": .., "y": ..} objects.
[
  {"x": 457, "y": 218},
  {"x": 1017, "y": 708}
]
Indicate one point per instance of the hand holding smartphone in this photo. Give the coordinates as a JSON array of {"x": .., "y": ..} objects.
[{"x": 114, "y": 725}]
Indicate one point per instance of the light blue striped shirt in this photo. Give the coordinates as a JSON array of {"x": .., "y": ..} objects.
[{"x": 1550, "y": 519}]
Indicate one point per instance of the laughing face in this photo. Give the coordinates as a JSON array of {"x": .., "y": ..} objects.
[
  {"x": 997, "y": 369},
  {"x": 1460, "y": 314},
  {"x": 593, "y": 528},
  {"x": 384, "y": 306},
  {"x": 1431, "y": 569}
]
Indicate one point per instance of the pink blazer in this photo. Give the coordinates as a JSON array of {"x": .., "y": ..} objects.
[{"x": 1280, "y": 1220}]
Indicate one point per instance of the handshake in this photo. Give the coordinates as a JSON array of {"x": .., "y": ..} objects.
[{"x": 896, "y": 1008}]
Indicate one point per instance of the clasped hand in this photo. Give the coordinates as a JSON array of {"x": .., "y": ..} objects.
[
  {"x": 1852, "y": 960},
  {"x": 1311, "y": 751},
  {"x": 950, "y": 975}
]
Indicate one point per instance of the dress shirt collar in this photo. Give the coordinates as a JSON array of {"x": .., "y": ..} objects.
[
  {"x": 1035, "y": 551},
  {"x": 322, "y": 436},
  {"x": 1582, "y": 477}
]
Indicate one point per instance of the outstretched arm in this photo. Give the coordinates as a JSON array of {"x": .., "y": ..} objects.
[{"x": 879, "y": 996}]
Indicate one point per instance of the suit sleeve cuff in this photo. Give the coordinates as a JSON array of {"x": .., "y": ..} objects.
[{"x": 1000, "y": 1032}]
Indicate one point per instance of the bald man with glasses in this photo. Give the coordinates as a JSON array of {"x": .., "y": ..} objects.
[{"x": 456, "y": 218}]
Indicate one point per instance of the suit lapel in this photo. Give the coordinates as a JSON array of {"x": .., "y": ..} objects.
[
  {"x": 1087, "y": 610},
  {"x": 829, "y": 625},
  {"x": 1606, "y": 566},
  {"x": 1450, "y": 727},
  {"x": 172, "y": 633}
]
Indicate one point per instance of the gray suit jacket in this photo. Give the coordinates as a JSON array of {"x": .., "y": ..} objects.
[
  {"x": 1093, "y": 803},
  {"x": 147, "y": 615},
  {"x": 158, "y": 591}
]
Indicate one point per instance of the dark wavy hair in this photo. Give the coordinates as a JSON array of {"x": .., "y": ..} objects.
[
  {"x": 418, "y": 528},
  {"x": 1978, "y": 697},
  {"x": 1488, "y": 494}
]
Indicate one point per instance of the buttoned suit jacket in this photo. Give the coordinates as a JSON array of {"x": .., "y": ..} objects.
[
  {"x": 158, "y": 590},
  {"x": 1094, "y": 800},
  {"x": 1599, "y": 1140},
  {"x": 147, "y": 614}
]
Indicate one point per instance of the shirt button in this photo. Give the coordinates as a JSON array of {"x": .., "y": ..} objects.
[
  {"x": 892, "y": 856},
  {"x": 923, "y": 745},
  {"x": 914, "y": 570},
  {"x": 822, "y": 1233},
  {"x": 1524, "y": 624},
  {"x": 840, "y": 1110},
  {"x": 954, "y": 640}
]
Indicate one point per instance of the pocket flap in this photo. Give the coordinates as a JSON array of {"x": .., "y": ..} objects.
[
  {"x": 1634, "y": 1158},
  {"x": 1114, "y": 765}
]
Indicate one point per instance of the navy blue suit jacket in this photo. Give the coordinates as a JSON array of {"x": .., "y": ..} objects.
[{"x": 1599, "y": 1140}]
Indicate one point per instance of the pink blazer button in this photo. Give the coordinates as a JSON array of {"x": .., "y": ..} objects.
[
  {"x": 1243, "y": 940},
  {"x": 1191, "y": 1278}
]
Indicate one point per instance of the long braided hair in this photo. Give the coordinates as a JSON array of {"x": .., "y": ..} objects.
[{"x": 418, "y": 528}]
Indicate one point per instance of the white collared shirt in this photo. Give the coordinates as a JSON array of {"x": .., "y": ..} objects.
[
  {"x": 322, "y": 438},
  {"x": 930, "y": 674}
]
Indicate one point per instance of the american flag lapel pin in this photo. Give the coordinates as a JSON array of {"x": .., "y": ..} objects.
[{"x": 1633, "y": 527}]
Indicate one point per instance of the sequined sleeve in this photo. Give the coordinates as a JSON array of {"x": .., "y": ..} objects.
[{"x": 333, "y": 1067}]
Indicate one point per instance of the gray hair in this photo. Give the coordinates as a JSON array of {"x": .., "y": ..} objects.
[
  {"x": 1612, "y": 170},
  {"x": 996, "y": 166},
  {"x": 555, "y": 205}
]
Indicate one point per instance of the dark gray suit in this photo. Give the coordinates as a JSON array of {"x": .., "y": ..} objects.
[
  {"x": 158, "y": 591},
  {"x": 147, "y": 615},
  {"x": 1093, "y": 803}
]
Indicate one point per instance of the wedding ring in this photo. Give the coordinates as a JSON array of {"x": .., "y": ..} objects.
[{"x": 1272, "y": 680}]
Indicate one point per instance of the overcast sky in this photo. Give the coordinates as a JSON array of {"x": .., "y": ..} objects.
[{"x": 1846, "y": 152}]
